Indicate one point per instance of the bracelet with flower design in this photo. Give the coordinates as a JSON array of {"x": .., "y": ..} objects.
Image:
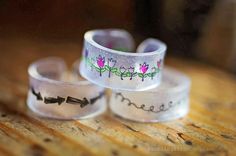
[
  {"x": 101, "y": 66},
  {"x": 110, "y": 60}
]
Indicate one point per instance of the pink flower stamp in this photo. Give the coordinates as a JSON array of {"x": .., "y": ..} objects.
[
  {"x": 100, "y": 63},
  {"x": 143, "y": 69},
  {"x": 159, "y": 63}
]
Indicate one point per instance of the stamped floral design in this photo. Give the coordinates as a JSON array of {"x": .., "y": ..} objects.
[
  {"x": 159, "y": 64},
  {"x": 132, "y": 72},
  {"x": 111, "y": 64},
  {"x": 122, "y": 72},
  {"x": 153, "y": 69},
  {"x": 143, "y": 69},
  {"x": 102, "y": 64}
]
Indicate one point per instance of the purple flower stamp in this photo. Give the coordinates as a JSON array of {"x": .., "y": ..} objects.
[
  {"x": 122, "y": 72},
  {"x": 111, "y": 64},
  {"x": 131, "y": 70}
]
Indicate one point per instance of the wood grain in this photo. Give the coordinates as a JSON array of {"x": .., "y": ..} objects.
[{"x": 208, "y": 129}]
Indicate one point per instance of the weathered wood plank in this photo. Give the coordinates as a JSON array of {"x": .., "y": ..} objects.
[{"x": 208, "y": 129}]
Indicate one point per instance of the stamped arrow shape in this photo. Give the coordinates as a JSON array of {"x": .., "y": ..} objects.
[
  {"x": 52, "y": 100},
  {"x": 38, "y": 95},
  {"x": 93, "y": 100},
  {"x": 75, "y": 101}
]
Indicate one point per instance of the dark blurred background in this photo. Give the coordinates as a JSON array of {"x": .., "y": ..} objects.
[{"x": 198, "y": 29}]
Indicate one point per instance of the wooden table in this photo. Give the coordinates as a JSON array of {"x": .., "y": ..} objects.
[{"x": 208, "y": 129}]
